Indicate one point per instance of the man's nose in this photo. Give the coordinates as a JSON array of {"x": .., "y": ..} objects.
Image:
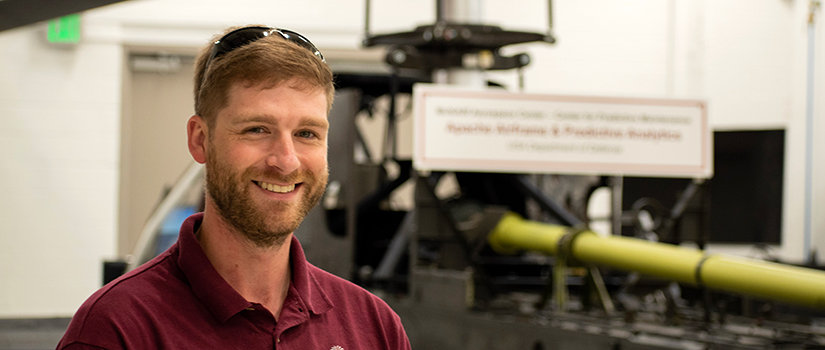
[{"x": 282, "y": 155}]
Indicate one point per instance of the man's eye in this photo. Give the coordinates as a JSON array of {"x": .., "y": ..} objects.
[
  {"x": 306, "y": 134},
  {"x": 255, "y": 130}
]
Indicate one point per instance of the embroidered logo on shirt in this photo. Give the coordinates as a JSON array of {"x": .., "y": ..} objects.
[{"x": 337, "y": 347}]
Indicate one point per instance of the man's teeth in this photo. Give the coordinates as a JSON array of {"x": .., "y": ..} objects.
[{"x": 276, "y": 188}]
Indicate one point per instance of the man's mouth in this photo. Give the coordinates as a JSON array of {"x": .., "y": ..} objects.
[{"x": 275, "y": 188}]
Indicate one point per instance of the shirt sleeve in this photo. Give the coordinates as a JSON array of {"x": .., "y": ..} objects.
[
  {"x": 397, "y": 337},
  {"x": 78, "y": 346},
  {"x": 401, "y": 340},
  {"x": 96, "y": 328}
]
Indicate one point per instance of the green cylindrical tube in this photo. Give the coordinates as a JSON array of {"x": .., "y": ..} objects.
[
  {"x": 655, "y": 259},
  {"x": 765, "y": 279},
  {"x": 733, "y": 274},
  {"x": 513, "y": 234}
]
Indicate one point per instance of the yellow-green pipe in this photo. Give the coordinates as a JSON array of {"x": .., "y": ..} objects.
[{"x": 751, "y": 277}]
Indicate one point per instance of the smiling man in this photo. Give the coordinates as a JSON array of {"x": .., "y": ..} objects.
[{"x": 237, "y": 278}]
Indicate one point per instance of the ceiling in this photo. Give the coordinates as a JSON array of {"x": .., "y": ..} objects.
[{"x": 16, "y": 13}]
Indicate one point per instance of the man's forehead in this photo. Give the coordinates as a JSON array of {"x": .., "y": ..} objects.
[
  {"x": 239, "y": 94},
  {"x": 265, "y": 84},
  {"x": 259, "y": 86}
]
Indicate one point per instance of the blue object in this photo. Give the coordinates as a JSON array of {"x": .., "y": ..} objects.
[{"x": 170, "y": 227}]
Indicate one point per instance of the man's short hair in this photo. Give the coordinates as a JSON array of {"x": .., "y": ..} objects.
[{"x": 270, "y": 60}]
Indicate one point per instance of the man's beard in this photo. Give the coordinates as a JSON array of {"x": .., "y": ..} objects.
[{"x": 264, "y": 224}]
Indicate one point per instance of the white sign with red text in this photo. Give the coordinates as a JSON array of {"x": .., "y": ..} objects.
[{"x": 496, "y": 131}]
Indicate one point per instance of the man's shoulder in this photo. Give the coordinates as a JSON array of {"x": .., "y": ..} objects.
[
  {"x": 353, "y": 304},
  {"x": 329, "y": 281},
  {"x": 149, "y": 282},
  {"x": 123, "y": 303},
  {"x": 351, "y": 296}
]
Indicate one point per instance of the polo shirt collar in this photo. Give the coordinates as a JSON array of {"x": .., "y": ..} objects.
[
  {"x": 304, "y": 283},
  {"x": 220, "y": 298}
]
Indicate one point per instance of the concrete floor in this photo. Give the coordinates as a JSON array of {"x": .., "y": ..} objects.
[{"x": 31, "y": 334}]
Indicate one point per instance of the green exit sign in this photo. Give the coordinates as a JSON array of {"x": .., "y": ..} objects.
[{"x": 65, "y": 29}]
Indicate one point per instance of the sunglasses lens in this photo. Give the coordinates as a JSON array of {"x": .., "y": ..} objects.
[
  {"x": 301, "y": 40},
  {"x": 243, "y": 36}
]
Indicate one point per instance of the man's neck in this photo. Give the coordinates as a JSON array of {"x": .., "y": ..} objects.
[{"x": 261, "y": 275}]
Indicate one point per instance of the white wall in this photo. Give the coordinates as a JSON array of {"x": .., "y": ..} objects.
[
  {"x": 59, "y": 115},
  {"x": 60, "y": 107}
]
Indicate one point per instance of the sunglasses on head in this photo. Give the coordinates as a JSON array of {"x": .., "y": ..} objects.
[{"x": 246, "y": 35}]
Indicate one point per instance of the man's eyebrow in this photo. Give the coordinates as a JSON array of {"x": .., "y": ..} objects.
[
  {"x": 305, "y": 121},
  {"x": 315, "y": 122},
  {"x": 253, "y": 119}
]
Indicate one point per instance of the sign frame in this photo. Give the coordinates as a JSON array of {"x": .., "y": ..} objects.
[{"x": 444, "y": 114}]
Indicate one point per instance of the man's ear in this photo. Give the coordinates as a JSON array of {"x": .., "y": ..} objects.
[{"x": 197, "y": 134}]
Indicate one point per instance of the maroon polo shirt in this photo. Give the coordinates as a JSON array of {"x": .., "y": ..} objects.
[{"x": 179, "y": 301}]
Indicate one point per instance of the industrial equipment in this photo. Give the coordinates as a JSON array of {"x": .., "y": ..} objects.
[
  {"x": 478, "y": 260},
  {"x": 466, "y": 270}
]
